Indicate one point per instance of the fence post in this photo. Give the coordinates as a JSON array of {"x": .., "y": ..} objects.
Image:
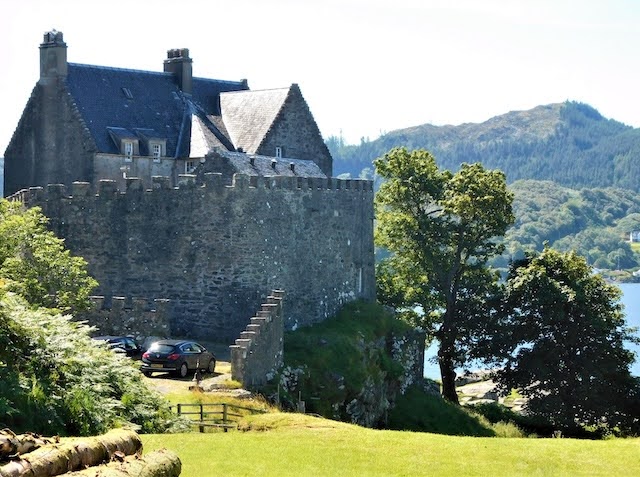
[
  {"x": 179, "y": 409},
  {"x": 201, "y": 417},
  {"x": 224, "y": 415}
]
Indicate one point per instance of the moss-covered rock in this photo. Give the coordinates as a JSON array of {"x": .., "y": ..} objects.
[{"x": 351, "y": 367}]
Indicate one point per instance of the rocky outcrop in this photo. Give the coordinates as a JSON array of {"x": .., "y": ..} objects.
[{"x": 387, "y": 367}]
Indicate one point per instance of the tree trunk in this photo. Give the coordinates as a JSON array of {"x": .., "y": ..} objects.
[
  {"x": 448, "y": 374},
  {"x": 161, "y": 463},
  {"x": 73, "y": 454},
  {"x": 447, "y": 337}
]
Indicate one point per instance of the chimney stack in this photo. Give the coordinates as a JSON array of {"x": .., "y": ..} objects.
[
  {"x": 179, "y": 64},
  {"x": 53, "y": 56}
]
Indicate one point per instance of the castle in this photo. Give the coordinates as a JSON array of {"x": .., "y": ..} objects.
[{"x": 199, "y": 191}]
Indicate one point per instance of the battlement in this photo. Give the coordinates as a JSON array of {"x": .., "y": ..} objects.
[
  {"x": 137, "y": 317},
  {"x": 107, "y": 189}
]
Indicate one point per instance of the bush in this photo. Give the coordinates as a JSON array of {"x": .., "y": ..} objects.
[
  {"x": 57, "y": 380},
  {"x": 420, "y": 411},
  {"x": 497, "y": 413}
]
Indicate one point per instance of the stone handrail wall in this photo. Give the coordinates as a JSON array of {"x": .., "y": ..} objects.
[{"x": 260, "y": 348}]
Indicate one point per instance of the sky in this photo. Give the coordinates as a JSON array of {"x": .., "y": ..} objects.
[{"x": 365, "y": 67}]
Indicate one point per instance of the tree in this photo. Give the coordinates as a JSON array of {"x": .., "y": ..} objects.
[
  {"x": 35, "y": 263},
  {"x": 54, "y": 377},
  {"x": 441, "y": 229},
  {"x": 561, "y": 343}
]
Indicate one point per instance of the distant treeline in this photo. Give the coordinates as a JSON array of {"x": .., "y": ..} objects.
[
  {"x": 568, "y": 143},
  {"x": 597, "y": 223}
]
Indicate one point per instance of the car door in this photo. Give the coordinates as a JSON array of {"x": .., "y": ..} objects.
[
  {"x": 201, "y": 356},
  {"x": 187, "y": 355}
]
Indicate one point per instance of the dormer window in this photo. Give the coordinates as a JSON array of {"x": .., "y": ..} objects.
[
  {"x": 279, "y": 152},
  {"x": 156, "y": 152},
  {"x": 128, "y": 150}
]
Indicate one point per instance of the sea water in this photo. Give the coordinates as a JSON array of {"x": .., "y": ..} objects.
[{"x": 630, "y": 300}]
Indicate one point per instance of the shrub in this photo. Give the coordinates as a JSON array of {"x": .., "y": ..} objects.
[{"x": 57, "y": 380}]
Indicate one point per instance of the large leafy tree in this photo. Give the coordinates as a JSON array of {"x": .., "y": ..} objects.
[
  {"x": 35, "y": 264},
  {"x": 561, "y": 343},
  {"x": 441, "y": 229}
]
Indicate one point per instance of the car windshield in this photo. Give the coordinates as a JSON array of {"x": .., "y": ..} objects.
[{"x": 160, "y": 348}]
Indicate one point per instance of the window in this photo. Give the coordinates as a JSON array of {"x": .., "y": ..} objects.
[
  {"x": 157, "y": 152},
  {"x": 190, "y": 166},
  {"x": 128, "y": 151},
  {"x": 278, "y": 152}
]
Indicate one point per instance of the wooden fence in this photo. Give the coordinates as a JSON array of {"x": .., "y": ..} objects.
[{"x": 214, "y": 415}]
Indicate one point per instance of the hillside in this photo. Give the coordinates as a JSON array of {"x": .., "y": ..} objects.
[
  {"x": 596, "y": 222},
  {"x": 569, "y": 143}
]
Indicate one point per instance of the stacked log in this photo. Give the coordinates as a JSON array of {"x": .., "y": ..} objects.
[
  {"x": 115, "y": 453},
  {"x": 161, "y": 463},
  {"x": 12, "y": 444}
]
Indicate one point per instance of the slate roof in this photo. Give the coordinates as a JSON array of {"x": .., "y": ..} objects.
[
  {"x": 134, "y": 101},
  {"x": 248, "y": 115},
  {"x": 264, "y": 165}
]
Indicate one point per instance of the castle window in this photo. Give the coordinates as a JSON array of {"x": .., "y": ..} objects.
[
  {"x": 190, "y": 166},
  {"x": 279, "y": 152},
  {"x": 128, "y": 151},
  {"x": 157, "y": 152}
]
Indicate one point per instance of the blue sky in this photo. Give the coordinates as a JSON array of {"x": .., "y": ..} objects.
[{"x": 364, "y": 66}]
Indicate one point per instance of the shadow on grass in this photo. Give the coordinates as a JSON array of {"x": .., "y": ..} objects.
[{"x": 423, "y": 412}]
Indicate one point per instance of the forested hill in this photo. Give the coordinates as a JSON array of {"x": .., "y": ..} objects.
[{"x": 570, "y": 143}]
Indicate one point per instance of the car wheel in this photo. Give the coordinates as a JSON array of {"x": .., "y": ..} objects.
[
  {"x": 147, "y": 373},
  {"x": 212, "y": 366},
  {"x": 183, "y": 370}
]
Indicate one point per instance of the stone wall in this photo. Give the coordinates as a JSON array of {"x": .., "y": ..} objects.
[
  {"x": 259, "y": 350},
  {"x": 51, "y": 143},
  {"x": 213, "y": 249},
  {"x": 137, "y": 317}
]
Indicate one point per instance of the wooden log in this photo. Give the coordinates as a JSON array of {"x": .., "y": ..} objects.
[
  {"x": 161, "y": 463},
  {"x": 12, "y": 444},
  {"x": 73, "y": 454}
]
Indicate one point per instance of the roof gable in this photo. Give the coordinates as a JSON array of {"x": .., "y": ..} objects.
[{"x": 248, "y": 115}]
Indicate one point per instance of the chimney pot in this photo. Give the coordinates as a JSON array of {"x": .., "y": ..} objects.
[
  {"x": 53, "y": 56},
  {"x": 180, "y": 65}
]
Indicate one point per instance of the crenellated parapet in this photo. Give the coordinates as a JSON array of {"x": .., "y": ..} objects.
[
  {"x": 107, "y": 189},
  {"x": 259, "y": 349},
  {"x": 122, "y": 316}
]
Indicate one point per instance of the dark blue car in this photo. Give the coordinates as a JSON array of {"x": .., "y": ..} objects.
[{"x": 178, "y": 357}]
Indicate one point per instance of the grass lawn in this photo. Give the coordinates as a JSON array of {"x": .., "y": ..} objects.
[{"x": 297, "y": 445}]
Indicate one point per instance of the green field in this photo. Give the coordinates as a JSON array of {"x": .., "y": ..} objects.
[{"x": 298, "y": 445}]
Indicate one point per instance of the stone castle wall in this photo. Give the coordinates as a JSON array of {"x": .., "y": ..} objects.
[
  {"x": 214, "y": 249},
  {"x": 260, "y": 349},
  {"x": 138, "y": 317}
]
